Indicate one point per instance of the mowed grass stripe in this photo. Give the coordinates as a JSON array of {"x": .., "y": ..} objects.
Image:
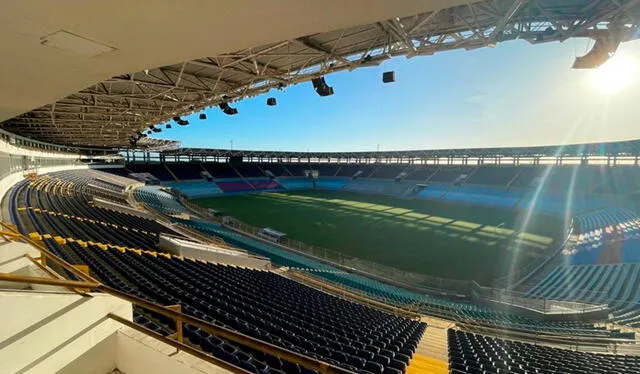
[{"x": 452, "y": 241}]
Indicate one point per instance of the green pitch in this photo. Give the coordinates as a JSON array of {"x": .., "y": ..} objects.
[{"x": 433, "y": 238}]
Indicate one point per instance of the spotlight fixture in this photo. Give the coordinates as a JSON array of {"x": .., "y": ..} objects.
[
  {"x": 603, "y": 49},
  {"x": 271, "y": 101},
  {"x": 226, "y": 109},
  {"x": 202, "y": 116},
  {"x": 321, "y": 87}
]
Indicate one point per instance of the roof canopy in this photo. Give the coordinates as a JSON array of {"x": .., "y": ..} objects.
[
  {"x": 94, "y": 74},
  {"x": 621, "y": 148}
]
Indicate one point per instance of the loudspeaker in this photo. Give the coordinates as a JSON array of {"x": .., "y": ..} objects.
[
  {"x": 388, "y": 76},
  {"x": 271, "y": 101},
  {"x": 321, "y": 87},
  {"x": 226, "y": 109}
]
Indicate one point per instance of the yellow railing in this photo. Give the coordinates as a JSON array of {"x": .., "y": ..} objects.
[{"x": 87, "y": 282}]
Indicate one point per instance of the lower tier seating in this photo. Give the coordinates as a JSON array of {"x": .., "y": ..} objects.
[
  {"x": 612, "y": 284},
  {"x": 478, "y": 354}
]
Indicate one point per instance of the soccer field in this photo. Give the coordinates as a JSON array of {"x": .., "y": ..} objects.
[{"x": 433, "y": 238}]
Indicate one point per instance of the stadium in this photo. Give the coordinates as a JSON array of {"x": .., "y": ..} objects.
[{"x": 126, "y": 252}]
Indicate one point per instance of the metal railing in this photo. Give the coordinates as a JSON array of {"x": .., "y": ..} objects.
[
  {"x": 87, "y": 283},
  {"x": 540, "y": 305},
  {"x": 419, "y": 282},
  {"x": 515, "y": 278},
  {"x": 564, "y": 337}
]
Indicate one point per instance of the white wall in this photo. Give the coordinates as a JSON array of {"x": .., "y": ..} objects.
[
  {"x": 101, "y": 359},
  {"x": 14, "y": 150},
  {"x": 139, "y": 354},
  {"x": 211, "y": 253},
  {"x": 48, "y": 331},
  {"x": 106, "y": 204}
]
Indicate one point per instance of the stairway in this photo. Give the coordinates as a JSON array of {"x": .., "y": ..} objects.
[{"x": 432, "y": 354}]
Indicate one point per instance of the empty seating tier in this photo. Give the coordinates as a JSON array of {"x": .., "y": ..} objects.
[{"x": 478, "y": 354}]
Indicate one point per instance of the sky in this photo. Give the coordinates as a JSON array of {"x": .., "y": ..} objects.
[{"x": 515, "y": 94}]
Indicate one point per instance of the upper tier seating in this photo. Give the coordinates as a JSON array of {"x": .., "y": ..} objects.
[
  {"x": 157, "y": 170},
  {"x": 186, "y": 171},
  {"x": 349, "y": 170},
  {"x": 619, "y": 180},
  {"x": 220, "y": 170},
  {"x": 449, "y": 175},
  {"x": 493, "y": 175},
  {"x": 387, "y": 171},
  {"x": 249, "y": 170},
  {"x": 420, "y": 172},
  {"x": 473, "y": 353},
  {"x": 297, "y": 170},
  {"x": 326, "y": 170},
  {"x": 276, "y": 169}
]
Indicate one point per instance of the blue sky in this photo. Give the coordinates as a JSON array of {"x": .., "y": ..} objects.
[{"x": 513, "y": 95}]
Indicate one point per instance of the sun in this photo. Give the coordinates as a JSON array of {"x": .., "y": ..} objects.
[{"x": 615, "y": 75}]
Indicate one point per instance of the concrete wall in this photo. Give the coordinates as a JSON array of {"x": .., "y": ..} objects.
[
  {"x": 105, "y": 204},
  {"x": 139, "y": 354},
  {"x": 13, "y": 261},
  {"x": 101, "y": 359},
  {"x": 211, "y": 253},
  {"x": 48, "y": 331}
]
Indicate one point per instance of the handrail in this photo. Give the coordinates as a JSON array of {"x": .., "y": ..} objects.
[
  {"x": 180, "y": 346},
  {"x": 89, "y": 282},
  {"x": 343, "y": 292},
  {"x": 402, "y": 278},
  {"x": 549, "y": 334},
  {"x": 576, "y": 342},
  {"x": 527, "y": 271},
  {"x": 8, "y": 277}
]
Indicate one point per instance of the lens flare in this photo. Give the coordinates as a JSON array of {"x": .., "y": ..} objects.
[{"x": 614, "y": 75}]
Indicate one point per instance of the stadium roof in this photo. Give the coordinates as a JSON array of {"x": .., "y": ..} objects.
[
  {"x": 95, "y": 73},
  {"x": 621, "y": 148}
]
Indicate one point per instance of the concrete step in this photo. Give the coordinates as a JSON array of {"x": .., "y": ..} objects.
[
  {"x": 426, "y": 365},
  {"x": 432, "y": 353}
]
